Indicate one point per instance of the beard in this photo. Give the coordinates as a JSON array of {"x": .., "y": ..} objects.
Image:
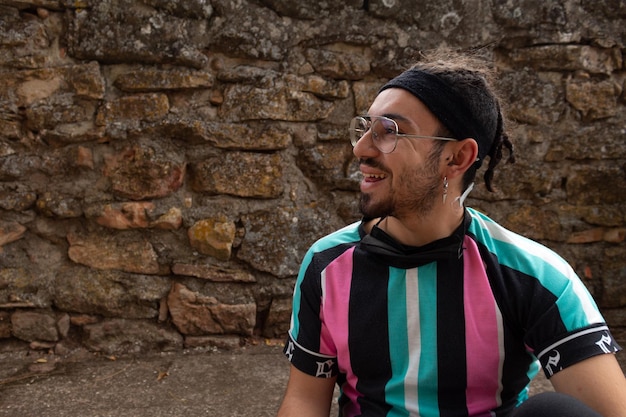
[{"x": 415, "y": 195}]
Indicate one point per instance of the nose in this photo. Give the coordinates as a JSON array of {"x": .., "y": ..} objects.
[{"x": 364, "y": 147}]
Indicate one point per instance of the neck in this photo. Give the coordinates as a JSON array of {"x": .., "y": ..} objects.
[{"x": 414, "y": 231}]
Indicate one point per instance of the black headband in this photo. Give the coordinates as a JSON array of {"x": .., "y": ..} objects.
[{"x": 446, "y": 104}]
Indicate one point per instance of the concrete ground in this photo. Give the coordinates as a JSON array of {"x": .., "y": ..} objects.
[{"x": 247, "y": 382}]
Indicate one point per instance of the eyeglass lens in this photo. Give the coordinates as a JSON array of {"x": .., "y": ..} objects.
[{"x": 383, "y": 131}]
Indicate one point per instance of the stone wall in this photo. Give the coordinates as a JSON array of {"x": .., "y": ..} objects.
[{"x": 164, "y": 164}]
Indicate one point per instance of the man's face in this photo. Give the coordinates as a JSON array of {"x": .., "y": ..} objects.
[{"x": 407, "y": 181}]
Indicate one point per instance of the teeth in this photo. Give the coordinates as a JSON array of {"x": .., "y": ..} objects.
[{"x": 377, "y": 176}]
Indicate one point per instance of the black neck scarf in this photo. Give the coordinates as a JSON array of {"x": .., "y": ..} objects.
[{"x": 389, "y": 251}]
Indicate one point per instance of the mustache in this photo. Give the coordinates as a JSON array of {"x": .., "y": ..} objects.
[{"x": 372, "y": 163}]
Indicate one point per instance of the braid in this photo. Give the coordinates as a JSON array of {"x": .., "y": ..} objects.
[
  {"x": 495, "y": 156},
  {"x": 495, "y": 152}
]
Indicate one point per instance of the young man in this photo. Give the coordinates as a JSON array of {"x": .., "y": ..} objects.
[{"x": 427, "y": 308}]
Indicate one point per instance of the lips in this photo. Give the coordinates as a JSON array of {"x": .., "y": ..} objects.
[{"x": 371, "y": 178}]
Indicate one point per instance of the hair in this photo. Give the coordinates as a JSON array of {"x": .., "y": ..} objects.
[{"x": 471, "y": 78}]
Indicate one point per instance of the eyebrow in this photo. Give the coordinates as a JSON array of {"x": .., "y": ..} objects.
[
  {"x": 402, "y": 120},
  {"x": 397, "y": 117}
]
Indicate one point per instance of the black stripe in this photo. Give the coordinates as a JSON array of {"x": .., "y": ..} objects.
[
  {"x": 311, "y": 295},
  {"x": 368, "y": 335},
  {"x": 517, "y": 295},
  {"x": 451, "y": 348}
]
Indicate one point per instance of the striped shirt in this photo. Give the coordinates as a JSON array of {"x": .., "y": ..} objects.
[{"x": 458, "y": 327}]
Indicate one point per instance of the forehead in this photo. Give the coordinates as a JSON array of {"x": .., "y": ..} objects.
[{"x": 404, "y": 107}]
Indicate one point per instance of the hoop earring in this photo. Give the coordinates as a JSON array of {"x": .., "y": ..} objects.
[{"x": 445, "y": 189}]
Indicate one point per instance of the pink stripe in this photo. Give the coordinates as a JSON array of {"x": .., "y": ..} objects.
[
  {"x": 483, "y": 328},
  {"x": 335, "y": 316}
]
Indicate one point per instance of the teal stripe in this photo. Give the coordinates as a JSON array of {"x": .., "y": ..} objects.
[
  {"x": 347, "y": 234},
  {"x": 548, "y": 268},
  {"x": 398, "y": 343},
  {"x": 532, "y": 372},
  {"x": 428, "y": 382},
  {"x": 295, "y": 308}
]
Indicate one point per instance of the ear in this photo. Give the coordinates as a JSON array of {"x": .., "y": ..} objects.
[{"x": 463, "y": 156}]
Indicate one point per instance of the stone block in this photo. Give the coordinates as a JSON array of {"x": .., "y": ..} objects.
[
  {"x": 268, "y": 38},
  {"x": 364, "y": 94},
  {"x": 196, "y": 314},
  {"x": 278, "y": 318},
  {"x": 108, "y": 293},
  {"x": 614, "y": 278},
  {"x": 141, "y": 172},
  {"x": 246, "y": 102},
  {"x": 57, "y": 205},
  {"x": 241, "y": 174},
  {"x": 324, "y": 88},
  {"x": 536, "y": 222},
  {"x": 5, "y": 325},
  {"x": 311, "y": 10},
  {"x": 152, "y": 79},
  {"x": 249, "y": 136},
  {"x": 132, "y": 33},
  {"x": 170, "y": 220},
  {"x": 275, "y": 240},
  {"x": 10, "y": 232},
  {"x": 16, "y": 197},
  {"x": 34, "y": 326},
  {"x": 122, "y": 216},
  {"x": 113, "y": 252},
  {"x": 594, "y": 99},
  {"x": 23, "y": 286},
  {"x": 589, "y": 141},
  {"x": 212, "y": 273},
  {"x": 127, "y": 112},
  {"x": 213, "y": 237},
  {"x": 325, "y": 165},
  {"x": 596, "y": 184},
  {"x": 123, "y": 336},
  {"x": 342, "y": 65},
  {"x": 544, "y": 107},
  {"x": 24, "y": 43},
  {"x": 566, "y": 58}
]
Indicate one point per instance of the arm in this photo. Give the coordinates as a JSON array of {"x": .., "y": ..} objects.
[
  {"x": 306, "y": 395},
  {"x": 598, "y": 382}
]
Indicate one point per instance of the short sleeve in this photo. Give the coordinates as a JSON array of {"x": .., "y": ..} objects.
[
  {"x": 311, "y": 363},
  {"x": 566, "y": 326},
  {"x": 304, "y": 347},
  {"x": 575, "y": 347}
]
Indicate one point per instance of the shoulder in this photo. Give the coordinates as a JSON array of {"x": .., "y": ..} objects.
[
  {"x": 329, "y": 246},
  {"x": 518, "y": 252},
  {"x": 346, "y": 235},
  {"x": 502, "y": 241}
]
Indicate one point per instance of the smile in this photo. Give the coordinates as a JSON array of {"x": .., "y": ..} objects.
[{"x": 375, "y": 176}]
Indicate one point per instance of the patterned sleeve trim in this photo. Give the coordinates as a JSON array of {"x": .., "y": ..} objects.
[
  {"x": 576, "y": 347},
  {"x": 311, "y": 363}
]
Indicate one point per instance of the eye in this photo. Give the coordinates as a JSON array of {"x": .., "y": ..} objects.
[{"x": 388, "y": 127}]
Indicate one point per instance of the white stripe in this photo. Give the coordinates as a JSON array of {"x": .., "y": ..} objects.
[
  {"x": 310, "y": 352},
  {"x": 414, "y": 340},
  {"x": 323, "y": 285},
  {"x": 570, "y": 337}
]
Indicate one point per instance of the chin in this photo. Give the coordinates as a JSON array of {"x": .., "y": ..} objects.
[{"x": 371, "y": 209}]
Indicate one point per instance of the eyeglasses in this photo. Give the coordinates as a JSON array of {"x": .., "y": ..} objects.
[{"x": 384, "y": 132}]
